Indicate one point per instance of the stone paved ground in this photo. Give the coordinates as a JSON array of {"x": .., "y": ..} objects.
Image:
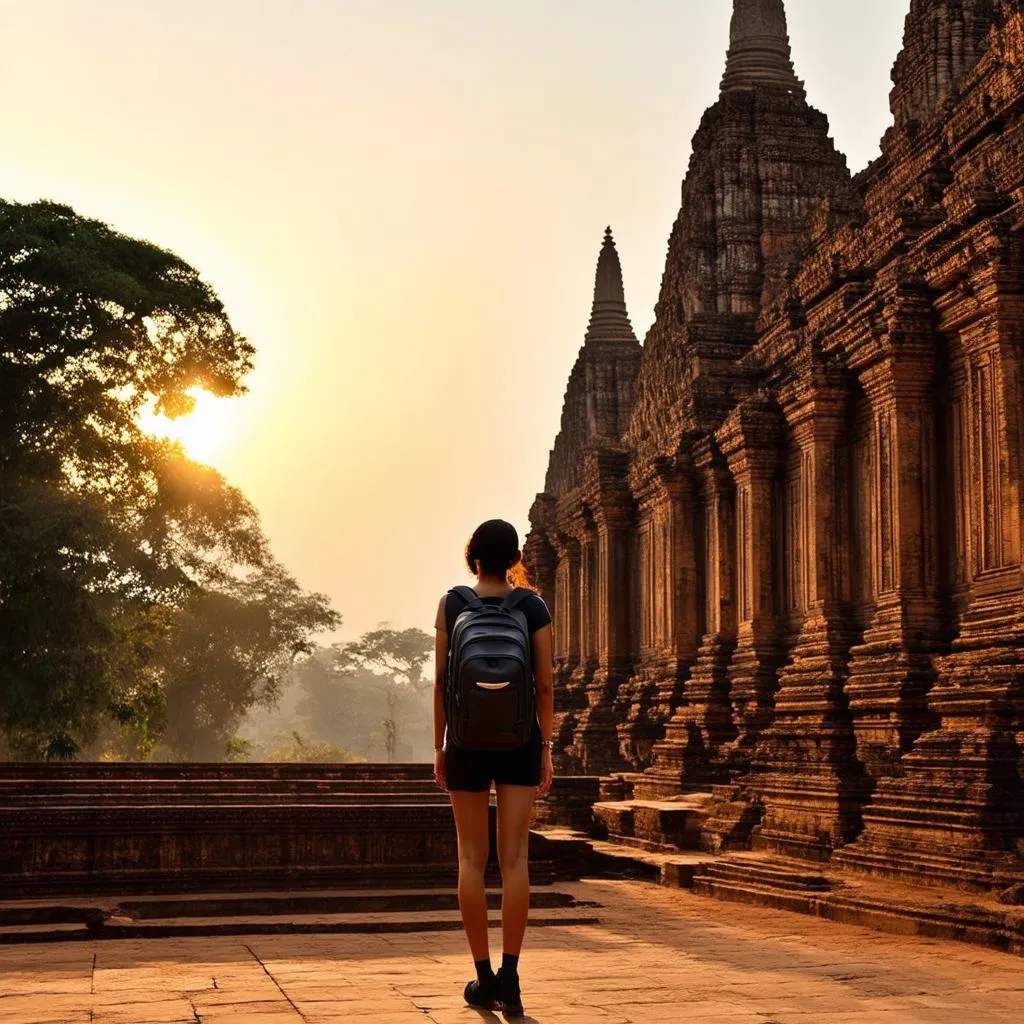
[{"x": 659, "y": 956}]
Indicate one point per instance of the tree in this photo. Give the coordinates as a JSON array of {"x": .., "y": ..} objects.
[
  {"x": 398, "y": 654},
  {"x": 118, "y": 555},
  {"x": 369, "y": 695}
]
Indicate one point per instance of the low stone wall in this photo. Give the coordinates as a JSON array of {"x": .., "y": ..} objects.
[{"x": 115, "y": 827}]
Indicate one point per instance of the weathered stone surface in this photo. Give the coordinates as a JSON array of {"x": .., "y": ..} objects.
[
  {"x": 710, "y": 964},
  {"x": 819, "y": 484}
]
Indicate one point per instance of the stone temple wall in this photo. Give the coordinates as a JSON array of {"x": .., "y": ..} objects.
[{"x": 795, "y": 567}]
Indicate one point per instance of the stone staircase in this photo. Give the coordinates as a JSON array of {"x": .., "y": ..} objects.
[
  {"x": 134, "y": 828},
  {"x": 267, "y": 913},
  {"x": 779, "y": 883},
  {"x": 118, "y": 783},
  {"x": 789, "y": 885}
]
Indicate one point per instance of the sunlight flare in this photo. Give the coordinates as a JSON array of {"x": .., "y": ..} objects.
[{"x": 207, "y": 434}]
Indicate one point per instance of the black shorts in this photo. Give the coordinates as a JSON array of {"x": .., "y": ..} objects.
[{"x": 473, "y": 771}]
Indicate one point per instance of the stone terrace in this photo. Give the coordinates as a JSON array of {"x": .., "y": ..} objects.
[{"x": 658, "y": 956}]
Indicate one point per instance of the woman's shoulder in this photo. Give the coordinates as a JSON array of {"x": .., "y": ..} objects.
[{"x": 536, "y": 611}]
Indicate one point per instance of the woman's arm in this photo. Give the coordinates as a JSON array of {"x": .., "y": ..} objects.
[
  {"x": 440, "y": 668},
  {"x": 543, "y": 675}
]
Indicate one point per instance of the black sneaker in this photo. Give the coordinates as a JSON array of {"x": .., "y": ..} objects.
[
  {"x": 509, "y": 995},
  {"x": 482, "y": 995}
]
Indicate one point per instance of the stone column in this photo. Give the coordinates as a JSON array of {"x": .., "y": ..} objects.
[
  {"x": 668, "y": 596},
  {"x": 689, "y": 754},
  {"x": 891, "y": 670},
  {"x": 808, "y": 777},
  {"x": 957, "y": 807},
  {"x": 586, "y": 534},
  {"x": 750, "y": 441},
  {"x": 596, "y": 736},
  {"x": 569, "y": 697}
]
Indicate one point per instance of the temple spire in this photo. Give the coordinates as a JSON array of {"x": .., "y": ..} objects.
[
  {"x": 759, "y": 52},
  {"x": 609, "y": 318}
]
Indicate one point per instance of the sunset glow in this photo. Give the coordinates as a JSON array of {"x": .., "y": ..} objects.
[
  {"x": 401, "y": 204},
  {"x": 208, "y": 434}
]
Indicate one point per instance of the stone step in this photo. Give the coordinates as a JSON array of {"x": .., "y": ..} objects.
[
  {"x": 372, "y": 901},
  {"x": 31, "y": 772},
  {"x": 767, "y": 873},
  {"x": 730, "y": 821},
  {"x": 615, "y": 788},
  {"x": 170, "y": 927},
  {"x": 653, "y": 824},
  {"x": 92, "y": 914},
  {"x": 725, "y": 792},
  {"x": 134, "y": 793},
  {"x": 114, "y": 802},
  {"x": 754, "y": 894},
  {"x": 983, "y": 926},
  {"x": 601, "y": 859},
  {"x": 56, "y": 932},
  {"x": 246, "y": 879}
]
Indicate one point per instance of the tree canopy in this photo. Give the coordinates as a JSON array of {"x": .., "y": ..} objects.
[{"x": 137, "y": 589}]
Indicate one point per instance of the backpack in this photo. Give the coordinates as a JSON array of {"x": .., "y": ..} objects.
[{"x": 489, "y": 684}]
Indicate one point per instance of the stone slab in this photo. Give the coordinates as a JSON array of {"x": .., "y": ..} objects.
[{"x": 658, "y": 956}]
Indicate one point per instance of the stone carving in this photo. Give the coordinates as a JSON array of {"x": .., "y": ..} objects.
[{"x": 785, "y": 549}]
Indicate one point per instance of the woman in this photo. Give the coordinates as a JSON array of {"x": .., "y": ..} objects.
[{"x": 519, "y": 776}]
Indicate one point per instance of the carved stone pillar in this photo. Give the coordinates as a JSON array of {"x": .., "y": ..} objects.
[
  {"x": 750, "y": 441},
  {"x": 569, "y": 697},
  {"x": 957, "y": 808},
  {"x": 668, "y": 601},
  {"x": 690, "y": 753},
  {"x": 596, "y": 738},
  {"x": 807, "y": 774},
  {"x": 891, "y": 671}
]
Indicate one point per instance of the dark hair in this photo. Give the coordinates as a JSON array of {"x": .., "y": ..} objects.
[{"x": 495, "y": 545}]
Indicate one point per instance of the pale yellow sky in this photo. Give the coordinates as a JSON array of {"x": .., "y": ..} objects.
[{"x": 401, "y": 202}]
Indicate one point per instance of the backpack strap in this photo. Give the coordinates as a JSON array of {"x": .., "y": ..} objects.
[
  {"x": 515, "y": 599},
  {"x": 469, "y": 595}
]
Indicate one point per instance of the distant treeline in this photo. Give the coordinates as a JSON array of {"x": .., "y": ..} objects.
[{"x": 368, "y": 700}]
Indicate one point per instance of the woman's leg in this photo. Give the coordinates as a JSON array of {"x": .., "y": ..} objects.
[
  {"x": 471, "y": 825},
  {"x": 515, "y": 804}
]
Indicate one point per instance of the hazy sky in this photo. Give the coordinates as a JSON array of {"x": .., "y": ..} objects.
[{"x": 401, "y": 202}]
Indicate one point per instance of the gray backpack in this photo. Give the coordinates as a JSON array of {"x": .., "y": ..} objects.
[{"x": 489, "y": 685}]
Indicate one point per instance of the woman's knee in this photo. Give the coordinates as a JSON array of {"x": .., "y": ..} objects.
[
  {"x": 513, "y": 853},
  {"x": 472, "y": 859}
]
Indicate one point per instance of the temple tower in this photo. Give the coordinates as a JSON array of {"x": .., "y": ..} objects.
[
  {"x": 578, "y": 547},
  {"x": 762, "y": 162}
]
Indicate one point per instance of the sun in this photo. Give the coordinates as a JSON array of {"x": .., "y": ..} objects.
[{"x": 207, "y": 433}]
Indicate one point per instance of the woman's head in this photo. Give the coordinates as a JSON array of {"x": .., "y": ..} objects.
[{"x": 493, "y": 550}]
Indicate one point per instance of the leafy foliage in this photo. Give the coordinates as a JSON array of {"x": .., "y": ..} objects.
[
  {"x": 298, "y": 748},
  {"x": 366, "y": 696},
  {"x": 137, "y": 590}
]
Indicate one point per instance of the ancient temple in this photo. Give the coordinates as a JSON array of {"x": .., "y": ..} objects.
[{"x": 782, "y": 540}]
